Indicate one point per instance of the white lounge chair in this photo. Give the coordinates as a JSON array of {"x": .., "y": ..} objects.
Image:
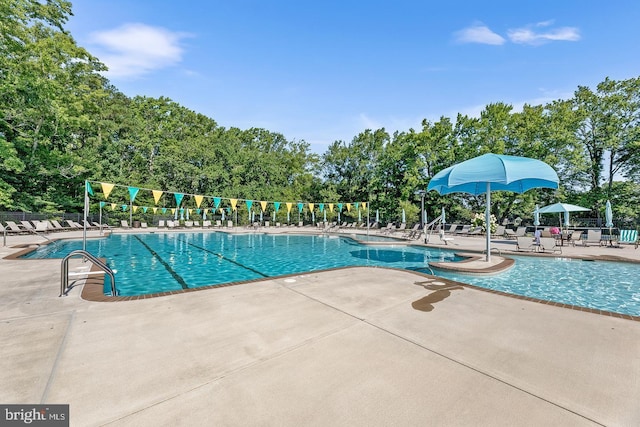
[
  {"x": 525, "y": 244},
  {"x": 593, "y": 236},
  {"x": 548, "y": 244}
]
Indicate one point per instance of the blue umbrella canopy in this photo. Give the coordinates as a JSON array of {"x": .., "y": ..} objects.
[
  {"x": 495, "y": 172},
  {"x": 608, "y": 213},
  {"x": 562, "y": 208}
]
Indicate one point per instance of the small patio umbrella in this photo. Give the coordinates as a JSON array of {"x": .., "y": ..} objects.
[
  {"x": 443, "y": 218},
  {"x": 404, "y": 217},
  {"x": 494, "y": 172},
  {"x": 536, "y": 217},
  {"x": 377, "y": 215},
  {"x": 562, "y": 208}
]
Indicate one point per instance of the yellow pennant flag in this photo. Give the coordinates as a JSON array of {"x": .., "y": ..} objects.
[
  {"x": 348, "y": 207},
  {"x": 173, "y": 210},
  {"x": 234, "y": 202},
  {"x": 113, "y": 206},
  {"x": 190, "y": 211},
  {"x": 106, "y": 189},
  {"x": 221, "y": 210},
  {"x": 364, "y": 205},
  {"x": 289, "y": 206},
  {"x": 263, "y": 205},
  {"x": 330, "y": 207},
  {"x": 155, "y": 210},
  {"x": 135, "y": 208},
  {"x": 198, "y": 200},
  {"x": 311, "y": 205},
  {"x": 156, "y": 195}
]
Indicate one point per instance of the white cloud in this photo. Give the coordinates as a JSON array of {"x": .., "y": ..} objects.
[
  {"x": 132, "y": 50},
  {"x": 479, "y": 33},
  {"x": 526, "y": 35}
]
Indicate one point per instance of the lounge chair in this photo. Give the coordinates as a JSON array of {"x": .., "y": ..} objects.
[
  {"x": 206, "y": 223},
  {"x": 161, "y": 223},
  {"x": 266, "y": 224},
  {"x": 229, "y": 224},
  {"x": 464, "y": 230},
  {"x": 510, "y": 234},
  {"x": 409, "y": 233},
  {"x": 144, "y": 225},
  {"x": 41, "y": 226},
  {"x": 218, "y": 223},
  {"x": 57, "y": 226},
  {"x": 188, "y": 224},
  {"x": 521, "y": 231},
  {"x": 98, "y": 225},
  {"x": 171, "y": 224},
  {"x": 387, "y": 229},
  {"x": 524, "y": 243},
  {"x": 27, "y": 226},
  {"x": 452, "y": 229},
  {"x": 401, "y": 227},
  {"x": 124, "y": 223},
  {"x": 499, "y": 231},
  {"x": 629, "y": 236},
  {"x": 474, "y": 232},
  {"x": 9, "y": 230},
  {"x": 593, "y": 236},
  {"x": 15, "y": 227},
  {"x": 548, "y": 244}
]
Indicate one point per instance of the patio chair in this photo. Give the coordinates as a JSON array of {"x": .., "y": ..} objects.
[
  {"x": 452, "y": 229},
  {"x": 124, "y": 223},
  {"x": 444, "y": 238},
  {"x": 548, "y": 244},
  {"x": 206, "y": 223},
  {"x": 510, "y": 234},
  {"x": 161, "y": 223},
  {"x": 629, "y": 236},
  {"x": 499, "y": 231},
  {"x": 218, "y": 224},
  {"x": 524, "y": 243},
  {"x": 410, "y": 232},
  {"x": 229, "y": 224},
  {"x": 593, "y": 236},
  {"x": 144, "y": 225},
  {"x": 575, "y": 237},
  {"x": 41, "y": 226},
  {"x": 401, "y": 227},
  {"x": 9, "y": 230},
  {"x": 474, "y": 232},
  {"x": 27, "y": 225},
  {"x": 57, "y": 226},
  {"x": 521, "y": 231},
  {"x": 188, "y": 224}
]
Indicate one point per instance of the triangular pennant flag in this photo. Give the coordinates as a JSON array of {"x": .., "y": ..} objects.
[
  {"x": 155, "y": 210},
  {"x": 356, "y": 204},
  {"x": 289, "y": 205},
  {"x": 156, "y": 195},
  {"x": 124, "y": 208},
  {"x": 133, "y": 192},
  {"x": 178, "y": 197},
  {"x": 300, "y": 205},
  {"x": 198, "y": 200},
  {"x": 339, "y": 207},
  {"x": 164, "y": 211},
  {"x": 144, "y": 209},
  {"x": 173, "y": 211},
  {"x": 311, "y": 205},
  {"x": 89, "y": 189},
  {"x": 321, "y": 207},
  {"x": 106, "y": 189},
  {"x": 135, "y": 208},
  {"x": 330, "y": 207},
  {"x": 348, "y": 207},
  {"x": 263, "y": 205},
  {"x": 249, "y": 203},
  {"x": 364, "y": 205},
  {"x": 234, "y": 202},
  {"x": 277, "y": 205},
  {"x": 190, "y": 211},
  {"x": 216, "y": 202},
  {"x": 198, "y": 211},
  {"x": 113, "y": 206},
  {"x": 102, "y": 204}
]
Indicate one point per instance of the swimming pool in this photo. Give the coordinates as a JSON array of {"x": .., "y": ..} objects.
[{"x": 160, "y": 262}]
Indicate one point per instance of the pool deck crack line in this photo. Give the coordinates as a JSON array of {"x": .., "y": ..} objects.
[
  {"x": 56, "y": 361},
  {"x": 449, "y": 358}
]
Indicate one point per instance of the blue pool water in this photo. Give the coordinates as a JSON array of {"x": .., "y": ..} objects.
[{"x": 159, "y": 262}]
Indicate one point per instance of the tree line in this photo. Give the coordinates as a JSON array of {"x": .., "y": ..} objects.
[{"x": 62, "y": 122}]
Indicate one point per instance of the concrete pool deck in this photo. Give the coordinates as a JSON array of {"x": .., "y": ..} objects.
[{"x": 358, "y": 346}]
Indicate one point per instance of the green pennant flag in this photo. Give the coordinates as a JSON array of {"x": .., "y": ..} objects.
[
  {"x": 339, "y": 207},
  {"x": 178, "y": 197},
  {"x": 300, "y": 205},
  {"x": 89, "y": 189},
  {"x": 198, "y": 211},
  {"x": 356, "y": 204},
  {"x": 124, "y": 207},
  {"x": 164, "y": 211},
  {"x": 277, "y": 205},
  {"x": 249, "y": 203},
  {"x": 102, "y": 204},
  {"x": 321, "y": 207},
  {"x": 144, "y": 209},
  {"x": 133, "y": 192},
  {"x": 216, "y": 202}
]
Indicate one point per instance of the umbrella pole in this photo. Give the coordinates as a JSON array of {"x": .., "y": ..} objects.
[{"x": 487, "y": 218}]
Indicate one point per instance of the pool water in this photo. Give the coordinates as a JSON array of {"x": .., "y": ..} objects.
[{"x": 159, "y": 262}]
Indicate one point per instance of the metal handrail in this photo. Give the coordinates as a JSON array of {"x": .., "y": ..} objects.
[{"x": 64, "y": 273}]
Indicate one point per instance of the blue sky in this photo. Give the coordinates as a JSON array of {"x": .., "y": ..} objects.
[{"x": 326, "y": 71}]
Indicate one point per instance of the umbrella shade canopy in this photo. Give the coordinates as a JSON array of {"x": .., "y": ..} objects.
[
  {"x": 494, "y": 172},
  {"x": 562, "y": 208},
  {"x": 608, "y": 214},
  {"x": 504, "y": 173}
]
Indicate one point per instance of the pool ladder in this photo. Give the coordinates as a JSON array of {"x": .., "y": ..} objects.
[{"x": 64, "y": 273}]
